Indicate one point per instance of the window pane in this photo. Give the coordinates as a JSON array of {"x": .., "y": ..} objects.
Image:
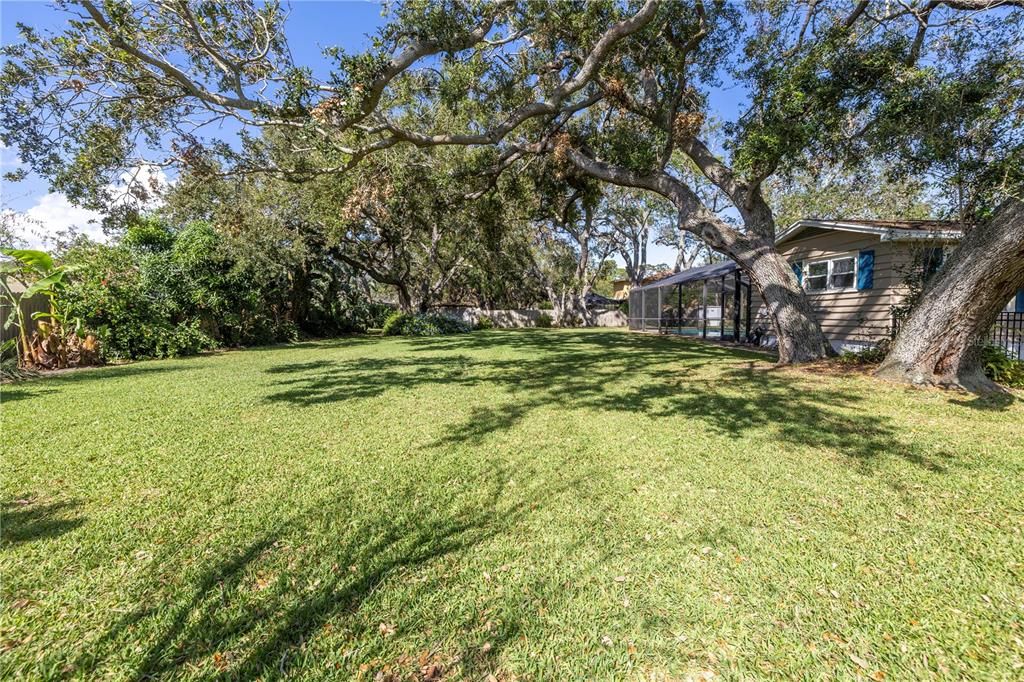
[
  {"x": 842, "y": 265},
  {"x": 842, "y": 281},
  {"x": 842, "y": 273},
  {"x": 817, "y": 269},
  {"x": 932, "y": 261},
  {"x": 816, "y": 283}
]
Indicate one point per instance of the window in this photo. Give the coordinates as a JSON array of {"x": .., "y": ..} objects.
[
  {"x": 841, "y": 276},
  {"x": 817, "y": 276},
  {"x": 932, "y": 261},
  {"x": 828, "y": 275}
]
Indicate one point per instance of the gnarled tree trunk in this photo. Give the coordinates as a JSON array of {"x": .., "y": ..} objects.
[
  {"x": 795, "y": 323},
  {"x": 939, "y": 343}
]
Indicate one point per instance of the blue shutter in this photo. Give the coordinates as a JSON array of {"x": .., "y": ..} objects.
[
  {"x": 798, "y": 270},
  {"x": 1019, "y": 305},
  {"x": 866, "y": 269}
]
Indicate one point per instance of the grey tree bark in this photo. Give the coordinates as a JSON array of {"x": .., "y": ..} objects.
[{"x": 940, "y": 342}]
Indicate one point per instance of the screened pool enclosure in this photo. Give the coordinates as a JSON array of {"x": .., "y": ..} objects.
[{"x": 712, "y": 301}]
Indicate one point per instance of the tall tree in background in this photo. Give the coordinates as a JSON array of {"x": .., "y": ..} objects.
[
  {"x": 690, "y": 251},
  {"x": 571, "y": 246},
  {"x": 632, "y": 220}
]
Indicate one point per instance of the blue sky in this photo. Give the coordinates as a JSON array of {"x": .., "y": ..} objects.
[{"x": 312, "y": 26}]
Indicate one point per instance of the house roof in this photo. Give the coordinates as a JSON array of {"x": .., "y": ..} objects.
[
  {"x": 692, "y": 275},
  {"x": 594, "y": 298},
  {"x": 887, "y": 230},
  {"x": 654, "y": 277}
]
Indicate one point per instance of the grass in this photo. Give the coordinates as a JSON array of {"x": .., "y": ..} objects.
[{"x": 530, "y": 505}]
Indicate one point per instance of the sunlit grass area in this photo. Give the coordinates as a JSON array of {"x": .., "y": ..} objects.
[{"x": 531, "y": 505}]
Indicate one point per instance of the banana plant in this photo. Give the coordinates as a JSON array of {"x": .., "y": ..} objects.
[{"x": 36, "y": 274}]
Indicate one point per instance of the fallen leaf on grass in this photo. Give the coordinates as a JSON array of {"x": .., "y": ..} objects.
[
  {"x": 386, "y": 629},
  {"x": 431, "y": 672},
  {"x": 859, "y": 661},
  {"x": 220, "y": 661}
]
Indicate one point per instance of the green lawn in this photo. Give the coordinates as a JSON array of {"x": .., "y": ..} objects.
[{"x": 532, "y": 505}]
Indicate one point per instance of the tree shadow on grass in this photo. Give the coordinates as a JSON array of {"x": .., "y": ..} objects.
[
  {"x": 255, "y": 611},
  {"x": 27, "y": 520},
  {"x": 749, "y": 399},
  {"x": 574, "y": 366},
  {"x": 46, "y": 382},
  {"x": 993, "y": 402},
  {"x": 730, "y": 392}
]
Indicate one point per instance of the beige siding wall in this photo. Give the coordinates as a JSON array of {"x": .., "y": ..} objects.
[{"x": 850, "y": 316}]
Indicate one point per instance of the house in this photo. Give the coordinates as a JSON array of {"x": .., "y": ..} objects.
[
  {"x": 858, "y": 272},
  {"x": 857, "y": 275},
  {"x": 621, "y": 287}
]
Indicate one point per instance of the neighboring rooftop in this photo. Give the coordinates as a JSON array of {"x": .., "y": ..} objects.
[{"x": 653, "y": 277}]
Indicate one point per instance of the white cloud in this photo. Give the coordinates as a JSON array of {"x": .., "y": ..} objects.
[
  {"x": 9, "y": 157},
  {"x": 53, "y": 213},
  {"x": 142, "y": 186}
]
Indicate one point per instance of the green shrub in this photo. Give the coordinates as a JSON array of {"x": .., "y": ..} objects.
[
  {"x": 164, "y": 292},
  {"x": 419, "y": 324},
  {"x": 1002, "y": 368},
  {"x": 374, "y": 315},
  {"x": 484, "y": 322},
  {"x": 868, "y": 356},
  {"x": 183, "y": 339},
  {"x": 544, "y": 320},
  {"x": 395, "y": 323}
]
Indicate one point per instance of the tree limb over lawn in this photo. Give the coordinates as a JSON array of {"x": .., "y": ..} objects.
[{"x": 615, "y": 91}]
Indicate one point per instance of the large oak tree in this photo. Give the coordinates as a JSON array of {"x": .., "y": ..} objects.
[{"x": 609, "y": 89}]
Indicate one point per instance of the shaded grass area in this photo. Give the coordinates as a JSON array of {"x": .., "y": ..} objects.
[{"x": 541, "y": 504}]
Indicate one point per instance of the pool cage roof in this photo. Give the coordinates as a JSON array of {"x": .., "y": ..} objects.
[
  {"x": 691, "y": 275},
  {"x": 712, "y": 301}
]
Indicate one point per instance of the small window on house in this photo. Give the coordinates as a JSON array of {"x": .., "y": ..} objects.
[
  {"x": 816, "y": 278},
  {"x": 831, "y": 275},
  {"x": 932, "y": 261},
  {"x": 842, "y": 274}
]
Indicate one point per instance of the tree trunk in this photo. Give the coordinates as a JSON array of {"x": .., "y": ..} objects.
[
  {"x": 680, "y": 260},
  {"x": 939, "y": 343},
  {"x": 556, "y": 303},
  {"x": 574, "y": 311},
  {"x": 404, "y": 298},
  {"x": 796, "y": 327}
]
